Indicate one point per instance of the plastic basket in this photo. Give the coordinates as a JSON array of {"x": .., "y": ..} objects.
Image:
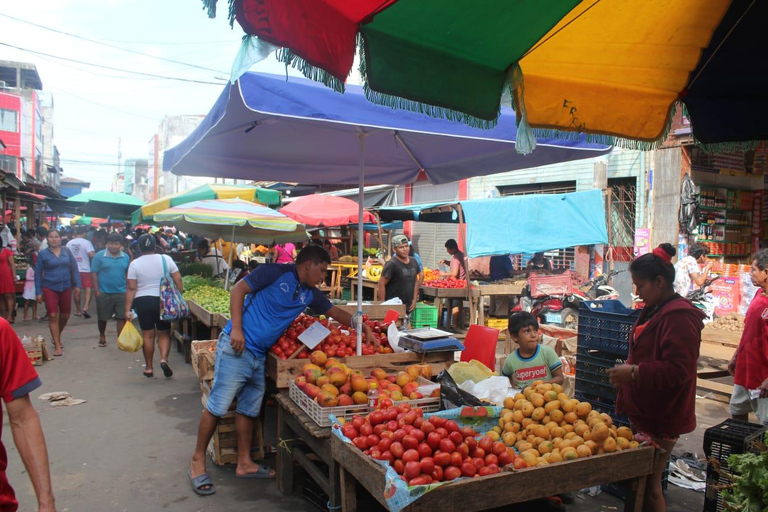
[
  {"x": 561, "y": 284},
  {"x": 424, "y": 315},
  {"x": 320, "y": 414},
  {"x": 606, "y": 325},
  {"x": 497, "y": 323},
  {"x": 720, "y": 442},
  {"x": 591, "y": 373}
]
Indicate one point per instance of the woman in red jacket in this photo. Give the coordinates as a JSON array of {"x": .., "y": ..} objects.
[{"x": 657, "y": 385}]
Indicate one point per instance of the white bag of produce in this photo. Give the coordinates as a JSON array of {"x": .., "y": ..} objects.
[
  {"x": 492, "y": 389},
  {"x": 393, "y": 336}
]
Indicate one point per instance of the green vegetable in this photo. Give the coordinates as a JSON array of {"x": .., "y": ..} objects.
[
  {"x": 196, "y": 268},
  {"x": 748, "y": 491},
  {"x": 192, "y": 282},
  {"x": 215, "y": 300}
]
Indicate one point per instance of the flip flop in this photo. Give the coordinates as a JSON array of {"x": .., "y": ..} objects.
[
  {"x": 102, "y": 343},
  {"x": 201, "y": 481},
  {"x": 149, "y": 375},
  {"x": 58, "y": 353},
  {"x": 262, "y": 473},
  {"x": 86, "y": 314},
  {"x": 166, "y": 369}
]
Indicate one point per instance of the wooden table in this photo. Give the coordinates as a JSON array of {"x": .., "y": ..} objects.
[
  {"x": 297, "y": 437},
  {"x": 337, "y": 269},
  {"x": 440, "y": 295},
  {"x": 490, "y": 290},
  {"x": 367, "y": 283},
  {"x": 632, "y": 467}
]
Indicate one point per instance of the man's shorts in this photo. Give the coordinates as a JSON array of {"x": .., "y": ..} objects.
[
  {"x": 237, "y": 375},
  {"x": 108, "y": 304},
  {"x": 85, "y": 280},
  {"x": 743, "y": 403}
]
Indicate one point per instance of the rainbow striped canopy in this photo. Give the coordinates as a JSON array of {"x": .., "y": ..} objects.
[{"x": 233, "y": 219}]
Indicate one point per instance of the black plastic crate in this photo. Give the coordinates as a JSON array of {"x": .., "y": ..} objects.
[
  {"x": 720, "y": 442},
  {"x": 592, "y": 373},
  {"x": 605, "y": 325},
  {"x": 604, "y": 405},
  {"x": 617, "y": 490}
]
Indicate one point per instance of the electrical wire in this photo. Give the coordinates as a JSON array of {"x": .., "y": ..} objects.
[
  {"x": 59, "y": 91},
  {"x": 94, "y": 41}
]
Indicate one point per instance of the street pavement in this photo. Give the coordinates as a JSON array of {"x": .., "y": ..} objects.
[{"x": 128, "y": 447}]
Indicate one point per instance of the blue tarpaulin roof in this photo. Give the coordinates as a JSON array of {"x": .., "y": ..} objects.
[
  {"x": 521, "y": 224},
  {"x": 269, "y": 128}
]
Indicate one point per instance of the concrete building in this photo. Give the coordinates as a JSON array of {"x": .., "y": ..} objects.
[
  {"x": 72, "y": 186},
  {"x": 51, "y": 158},
  {"x": 136, "y": 182},
  {"x": 171, "y": 132}
]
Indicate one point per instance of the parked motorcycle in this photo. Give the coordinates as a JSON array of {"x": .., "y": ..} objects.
[
  {"x": 564, "y": 310},
  {"x": 703, "y": 299}
]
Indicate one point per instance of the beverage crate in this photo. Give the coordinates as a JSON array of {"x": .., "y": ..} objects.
[
  {"x": 560, "y": 284},
  {"x": 223, "y": 445},
  {"x": 606, "y": 325},
  {"x": 203, "y": 358},
  {"x": 592, "y": 373},
  {"x": 497, "y": 323},
  {"x": 424, "y": 315},
  {"x": 720, "y": 442}
]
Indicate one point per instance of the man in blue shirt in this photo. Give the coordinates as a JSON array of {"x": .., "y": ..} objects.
[
  {"x": 108, "y": 269},
  {"x": 262, "y": 306}
]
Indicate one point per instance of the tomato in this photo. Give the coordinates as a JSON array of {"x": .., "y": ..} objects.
[
  {"x": 491, "y": 459},
  {"x": 467, "y": 432},
  {"x": 446, "y": 445},
  {"x": 421, "y": 480},
  {"x": 519, "y": 463},
  {"x": 479, "y": 463},
  {"x": 366, "y": 429},
  {"x": 399, "y": 466},
  {"x": 424, "y": 451},
  {"x": 456, "y": 459},
  {"x": 442, "y": 458},
  {"x": 349, "y": 431},
  {"x": 375, "y": 454},
  {"x": 451, "y": 473},
  {"x": 463, "y": 449},
  {"x": 410, "y": 442},
  {"x": 397, "y": 449},
  {"x": 376, "y": 417},
  {"x": 437, "y": 474},
  {"x": 427, "y": 465},
  {"x": 360, "y": 442},
  {"x": 418, "y": 434},
  {"x": 412, "y": 470},
  {"x": 483, "y": 471},
  {"x": 468, "y": 469},
  {"x": 494, "y": 468},
  {"x": 471, "y": 442},
  {"x": 373, "y": 440},
  {"x": 379, "y": 429},
  {"x": 387, "y": 456},
  {"x": 340, "y": 352},
  {"x": 486, "y": 443},
  {"x": 410, "y": 417},
  {"x": 433, "y": 440},
  {"x": 399, "y": 434},
  {"x": 505, "y": 458},
  {"x": 404, "y": 407},
  {"x": 388, "y": 434},
  {"x": 456, "y": 437},
  {"x": 418, "y": 422},
  {"x": 385, "y": 444},
  {"x": 427, "y": 427},
  {"x": 410, "y": 455},
  {"x": 479, "y": 452},
  {"x": 441, "y": 431},
  {"x": 499, "y": 448}
]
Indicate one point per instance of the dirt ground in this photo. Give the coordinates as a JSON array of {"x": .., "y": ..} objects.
[{"x": 128, "y": 447}]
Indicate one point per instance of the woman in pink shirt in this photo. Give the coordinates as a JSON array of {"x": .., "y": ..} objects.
[{"x": 285, "y": 253}]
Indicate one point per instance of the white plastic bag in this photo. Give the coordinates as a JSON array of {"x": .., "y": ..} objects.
[
  {"x": 492, "y": 389},
  {"x": 393, "y": 336}
]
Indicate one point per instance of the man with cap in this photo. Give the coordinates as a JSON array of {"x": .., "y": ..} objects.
[{"x": 400, "y": 275}]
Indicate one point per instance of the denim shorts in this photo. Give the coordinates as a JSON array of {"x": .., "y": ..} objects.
[{"x": 237, "y": 375}]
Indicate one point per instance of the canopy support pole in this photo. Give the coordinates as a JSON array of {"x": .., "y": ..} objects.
[
  {"x": 378, "y": 229},
  {"x": 465, "y": 263},
  {"x": 399, "y": 139},
  {"x": 360, "y": 239},
  {"x": 229, "y": 266}
]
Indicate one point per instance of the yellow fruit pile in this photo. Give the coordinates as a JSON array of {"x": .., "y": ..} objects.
[
  {"x": 374, "y": 273},
  {"x": 546, "y": 426},
  {"x": 431, "y": 274}
]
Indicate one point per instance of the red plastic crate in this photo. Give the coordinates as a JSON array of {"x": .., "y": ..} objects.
[{"x": 560, "y": 284}]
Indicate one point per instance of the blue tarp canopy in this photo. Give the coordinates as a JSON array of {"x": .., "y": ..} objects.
[
  {"x": 269, "y": 128},
  {"x": 519, "y": 224}
]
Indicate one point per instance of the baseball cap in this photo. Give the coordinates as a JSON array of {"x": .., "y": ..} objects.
[
  {"x": 147, "y": 243},
  {"x": 399, "y": 240}
]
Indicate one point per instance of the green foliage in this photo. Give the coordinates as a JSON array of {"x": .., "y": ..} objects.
[
  {"x": 749, "y": 474},
  {"x": 213, "y": 299},
  {"x": 196, "y": 268},
  {"x": 192, "y": 282}
]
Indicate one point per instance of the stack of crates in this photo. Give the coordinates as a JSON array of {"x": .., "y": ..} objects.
[
  {"x": 731, "y": 437},
  {"x": 424, "y": 315}
]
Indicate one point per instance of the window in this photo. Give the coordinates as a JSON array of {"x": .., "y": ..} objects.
[{"x": 9, "y": 120}]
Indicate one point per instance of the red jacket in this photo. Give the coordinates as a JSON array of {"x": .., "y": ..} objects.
[{"x": 666, "y": 352}]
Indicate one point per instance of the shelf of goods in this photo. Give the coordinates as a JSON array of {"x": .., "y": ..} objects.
[{"x": 725, "y": 221}]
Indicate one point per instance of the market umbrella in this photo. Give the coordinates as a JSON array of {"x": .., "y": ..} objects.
[
  {"x": 270, "y": 128},
  {"x": 236, "y": 219},
  {"x": 322, "y": 210},
  {"x": 105, "y": 203},
  {"x": 613, "y": 68},
  {"x": 207, "y": 191}
]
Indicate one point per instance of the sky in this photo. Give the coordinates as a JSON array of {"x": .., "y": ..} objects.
[{"x": 98, "y": 110}]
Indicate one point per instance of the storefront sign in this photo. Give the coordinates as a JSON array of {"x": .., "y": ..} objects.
[{"x": 642, "y": 241}]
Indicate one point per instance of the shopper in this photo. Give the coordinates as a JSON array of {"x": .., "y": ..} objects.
[
  {"x": 84, "y": 252},
  {"x": 56, "y": 275},
  {"x": 7, "y": 282},
  {"x": 531, "y": 361},
  {"x": 17, "y": 379},
  {"x": 276, "y": 295},
  {"x": 143, "y": 292},
  {"x": 212, "y": 257},
  {"x": 656, "y": 387},
  {"x": 400, "y": 276},
  {"x": 29, "y": 289},
  {"x": 688, "y": 271},
  {"x": 749, "y": 365},
  {"x": 332, "y": 250},
  {"x": 283, "y": 253},
  {"x": 109, "y": 269}
]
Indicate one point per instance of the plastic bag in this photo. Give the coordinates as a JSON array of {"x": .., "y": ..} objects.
[
  {"x": 473, "y": 370},
  {"x": 130, "y": 339},
  {"x": 451, "y": 396},
  {"x": 393, "y": 337},
  {"x": 493, "y": 389}
]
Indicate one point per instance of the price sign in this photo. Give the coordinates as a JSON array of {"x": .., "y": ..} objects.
[{"x": 314, "y": 335}]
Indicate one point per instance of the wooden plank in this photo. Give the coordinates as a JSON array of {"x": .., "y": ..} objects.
[
  {"x": 203, "y": 316},
  {"x": 712, "y": 374},
  {"x": 375, "y": 311},
  {"x": 282, "y": 372},
  {"x": 721, "y": 337},
  {"x": 348, "y": 492},
  {"x": 529, "y": 484},
  {"x": 497, "y": 289},
  {"x": 723, "y": 391},
  {"x": 444, "y": 293}
]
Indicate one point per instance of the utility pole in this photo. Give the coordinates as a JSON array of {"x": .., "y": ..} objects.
[{"x": 119, "y": 159}]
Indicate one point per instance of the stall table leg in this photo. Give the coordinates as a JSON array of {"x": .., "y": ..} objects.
[{"x": 348, "y": 491}]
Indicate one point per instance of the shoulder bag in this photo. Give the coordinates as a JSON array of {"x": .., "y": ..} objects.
[{"x": 172, "y": 304}]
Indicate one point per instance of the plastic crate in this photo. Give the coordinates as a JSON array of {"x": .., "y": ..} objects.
[
  {"x": 621, "y": 493},
  {"x": 606, "y": 325},
  {"x": 560, "y": 284},
  {"x": 720, "y": 442},
  {"x": 591, "y": 373},
  {"x": 497, "y": 323},
  {"x": 424, "y": 315}
]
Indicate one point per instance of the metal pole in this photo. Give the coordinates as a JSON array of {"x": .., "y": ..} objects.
[
  {"x": 229, "y": 267},
  {"x": 360, "y": 240}
]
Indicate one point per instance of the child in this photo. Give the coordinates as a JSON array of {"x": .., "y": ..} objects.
[
  {"x": 531, "y": 361},
  {"x": 29, "y": 289}
]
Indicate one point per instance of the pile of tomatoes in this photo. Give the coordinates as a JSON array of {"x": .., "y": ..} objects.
[
  {"x": 447, "y": 282},
  {"x": 340, "y": 343},
  {"x": 424, "y": 451}
]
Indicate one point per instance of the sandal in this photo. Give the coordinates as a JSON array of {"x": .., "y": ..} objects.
[
  {"x": 58, "y": 353},
  {"x": 102, "y": 343},
  {"x": 149, "y": 374},
  {"x": 263, "y": 472},
  {"x": 201, "y": 481},
  {"x": 86, "y": 314},
  {"x": 166, "y": 369}
]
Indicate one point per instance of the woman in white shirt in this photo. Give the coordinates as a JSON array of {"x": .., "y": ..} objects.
[
  {"x": 143, "y": 292},
  {"x": 688, "y": 270}
]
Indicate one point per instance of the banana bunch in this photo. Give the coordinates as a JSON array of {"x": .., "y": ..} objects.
[{"x": 374, "y": 273}]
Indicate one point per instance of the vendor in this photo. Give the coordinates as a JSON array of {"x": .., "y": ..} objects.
[
  {"x": 539, "y": 265},
  {"x": 263, "y": 305},
  {"x": 332, "y": 250},
  {"x": 400, "y": 277},
  {"x": 500, "y": 268},
  {"x": 211, "y": 257},
  {"x": 458, "y": 266}
]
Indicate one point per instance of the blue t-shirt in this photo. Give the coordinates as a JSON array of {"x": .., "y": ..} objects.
[
  {"x": 500, "y": 267},
  {"x": 277, "y": 297},
  {"x": 111, "y": 271}
]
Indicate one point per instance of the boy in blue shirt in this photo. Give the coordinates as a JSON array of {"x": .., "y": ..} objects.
[{"x": 531, "y": 361}]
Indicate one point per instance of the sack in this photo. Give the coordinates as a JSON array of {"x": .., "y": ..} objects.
[
  {"x": 172, "y": 305},
  {"x": 130, "y": 339}
]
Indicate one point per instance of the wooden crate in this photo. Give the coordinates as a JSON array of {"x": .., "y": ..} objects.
[
  {"x": 204, "y": 316},
  {"x": 203, "y": 358},
  {"x": 375, "y": 311},
  {"x": 223, "y": 446},
  {"x": 282, "y": 372}
]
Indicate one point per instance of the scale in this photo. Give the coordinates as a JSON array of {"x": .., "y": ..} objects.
[{"x": 427, "y": 339}]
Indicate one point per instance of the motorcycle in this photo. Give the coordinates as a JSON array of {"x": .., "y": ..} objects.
[
  {"x": 703, "y": 300},
  {"x": 564, "y": 310}
]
